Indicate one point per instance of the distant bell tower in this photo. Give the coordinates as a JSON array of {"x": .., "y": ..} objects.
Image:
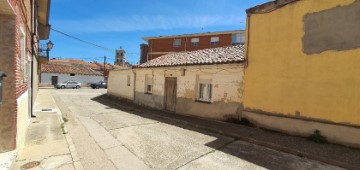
[{"x": 120, "y": 57}]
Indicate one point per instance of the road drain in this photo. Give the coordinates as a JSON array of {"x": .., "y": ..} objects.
[
  {"x": 30, "y": 165},
  {"x": 46, "y": 110}
]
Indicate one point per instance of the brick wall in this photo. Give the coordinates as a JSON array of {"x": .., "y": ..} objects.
[
  {"x": 8, "y": 107},
  {"x": 156, "y": 46},
  {"x": 14, "y": 85}
]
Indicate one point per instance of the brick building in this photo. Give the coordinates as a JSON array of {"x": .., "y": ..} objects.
[
  {"x": 22, "y": 24},
  {"x": 161, "y": 45}
]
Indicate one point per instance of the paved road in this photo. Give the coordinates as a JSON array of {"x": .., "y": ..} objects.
[{"x": 109, "y": 138}]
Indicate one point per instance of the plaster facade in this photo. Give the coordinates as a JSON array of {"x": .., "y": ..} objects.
[
  {"x": 121, "y": 84},
  {"x": 227, "y": 88},
  {"x": 285, "y": 77}
]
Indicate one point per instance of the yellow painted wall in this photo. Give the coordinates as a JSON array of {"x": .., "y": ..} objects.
[
  {"x": 281, "y": 79},
  {"x": 117, "y": 84}
]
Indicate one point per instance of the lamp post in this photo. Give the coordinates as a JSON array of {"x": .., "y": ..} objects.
[{"x": 49, "y": 46}]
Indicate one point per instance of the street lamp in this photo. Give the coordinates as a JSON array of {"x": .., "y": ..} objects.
[{"x": 48, "y": 48}]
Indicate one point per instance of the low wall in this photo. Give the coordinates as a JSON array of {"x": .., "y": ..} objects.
[{"x": 335, "y": 133}]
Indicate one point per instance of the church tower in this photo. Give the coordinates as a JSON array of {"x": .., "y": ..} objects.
[{"x": 120, "y": 57}]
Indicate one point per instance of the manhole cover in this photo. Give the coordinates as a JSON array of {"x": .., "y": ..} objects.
[
  {"x": 46, "y": 110},
  {"x": 30, "y": 165}
]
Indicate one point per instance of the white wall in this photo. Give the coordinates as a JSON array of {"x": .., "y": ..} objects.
[
  {"x": 83, "y": 79},
  {"x": 117, "y": 84},
  {"x": 227, "y": 92}
]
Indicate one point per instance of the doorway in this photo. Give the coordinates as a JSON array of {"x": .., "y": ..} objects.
[
  {"x": 54, "y": 80},
  {"x": 170, "y": 93}
]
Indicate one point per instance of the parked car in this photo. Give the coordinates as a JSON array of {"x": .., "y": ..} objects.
[
  {"x": 68, "y": 84},
  {"x": 100, "y": 84}
]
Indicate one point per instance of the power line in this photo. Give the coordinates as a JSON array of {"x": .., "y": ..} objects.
[
  {"x": 90, "y": 43},
  {"x": 83, "y": 41}
]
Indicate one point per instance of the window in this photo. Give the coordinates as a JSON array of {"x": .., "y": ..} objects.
[
  {"x": 238, "y": 39},
  {"x": 148, "y": 84},
  {"x": 128, "y": 80},
  {"x": 72, "y": 74},
  {"x": 204, "y": 91},
  {"x": 177, "y": 43},
  {"x": 195, "y": 42},
  {"x": 214, "y": 41}
]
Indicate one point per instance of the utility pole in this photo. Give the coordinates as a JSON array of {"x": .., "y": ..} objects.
[{"x": 104, "y": 66}]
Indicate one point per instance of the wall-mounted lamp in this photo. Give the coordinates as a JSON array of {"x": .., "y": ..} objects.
[{"x": 49, "y": 46}]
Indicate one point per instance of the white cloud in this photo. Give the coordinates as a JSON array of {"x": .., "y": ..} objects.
[{"x": 143, "y": 23}]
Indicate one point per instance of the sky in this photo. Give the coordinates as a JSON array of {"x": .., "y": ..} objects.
[{"x": 115, "y": 24}]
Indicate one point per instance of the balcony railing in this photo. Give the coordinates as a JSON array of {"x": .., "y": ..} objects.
[{"x": 43, "y": 56}]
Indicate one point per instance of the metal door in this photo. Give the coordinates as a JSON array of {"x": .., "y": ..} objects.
[{"x": 170, "y": 93}]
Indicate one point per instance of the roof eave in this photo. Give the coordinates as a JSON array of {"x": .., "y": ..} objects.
[
  {"x": 269, "y": 6},
  {"x": 44, "y": 15},
  {"x": 182, "y": 65}
]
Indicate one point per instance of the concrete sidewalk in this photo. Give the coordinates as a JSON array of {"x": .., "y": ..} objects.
[{"x": 47, "y": 146}]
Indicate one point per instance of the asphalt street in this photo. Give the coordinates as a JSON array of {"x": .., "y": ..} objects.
[{"x": 107, "y": 137}]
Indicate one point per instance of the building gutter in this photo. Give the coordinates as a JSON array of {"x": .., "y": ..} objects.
[
  {"x": 32, "y": 6},
  {"x": 134, "y": 84}
]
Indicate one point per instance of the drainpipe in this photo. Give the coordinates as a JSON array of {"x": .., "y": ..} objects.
[
  {"x": 134, "y": 83},
  {"x": 32, "y": 4},
  {"x": 247, "y": 44},
  {"x": 185, "y": 42}
]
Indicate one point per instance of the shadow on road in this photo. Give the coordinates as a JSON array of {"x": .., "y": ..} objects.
[{"x": 258, "y": 155}]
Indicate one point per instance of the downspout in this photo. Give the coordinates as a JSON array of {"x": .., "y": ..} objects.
[
  {"x": 185, "y": 42},
  {"x": 134, "y": 83},
  {"x": 32, "y": 4},
  {"x": 247, "y": 39}
]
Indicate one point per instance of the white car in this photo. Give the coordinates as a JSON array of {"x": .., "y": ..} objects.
[{"x": 68, "y": 84}]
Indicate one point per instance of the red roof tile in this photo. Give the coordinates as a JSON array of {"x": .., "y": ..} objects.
[
  {"x": 221, "y": 55},
  {"x": 67, "y": 69}
]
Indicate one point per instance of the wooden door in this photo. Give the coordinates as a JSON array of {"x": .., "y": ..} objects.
[
  {"x": 54, "y": 80},
  {"x": 170, "y": 93}
]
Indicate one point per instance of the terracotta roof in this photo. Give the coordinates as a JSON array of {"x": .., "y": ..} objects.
[
  {"x": 67, "y": 69},
  {"x": 221, "y": 55},
  {"x": 94, "y": 65}
]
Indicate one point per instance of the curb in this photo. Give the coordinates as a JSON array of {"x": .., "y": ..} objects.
[{"x": 74, "y": 155}]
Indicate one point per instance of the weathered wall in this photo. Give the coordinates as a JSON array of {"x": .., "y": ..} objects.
[
  {"x": 282, "y": 79},
  {"x": 227, "y": 81},
  {"x": 83, "y": 79},
  {"x": 156, "y": 99},
  {"x": 14, "y": 113},
  {"x": 345, "y": 135},
  {"x": 7, "y": 64},
  {"x": 336, "y": 29},
  {"x": 118, "y": 85},
  {"x": 23, "y": 119}
]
